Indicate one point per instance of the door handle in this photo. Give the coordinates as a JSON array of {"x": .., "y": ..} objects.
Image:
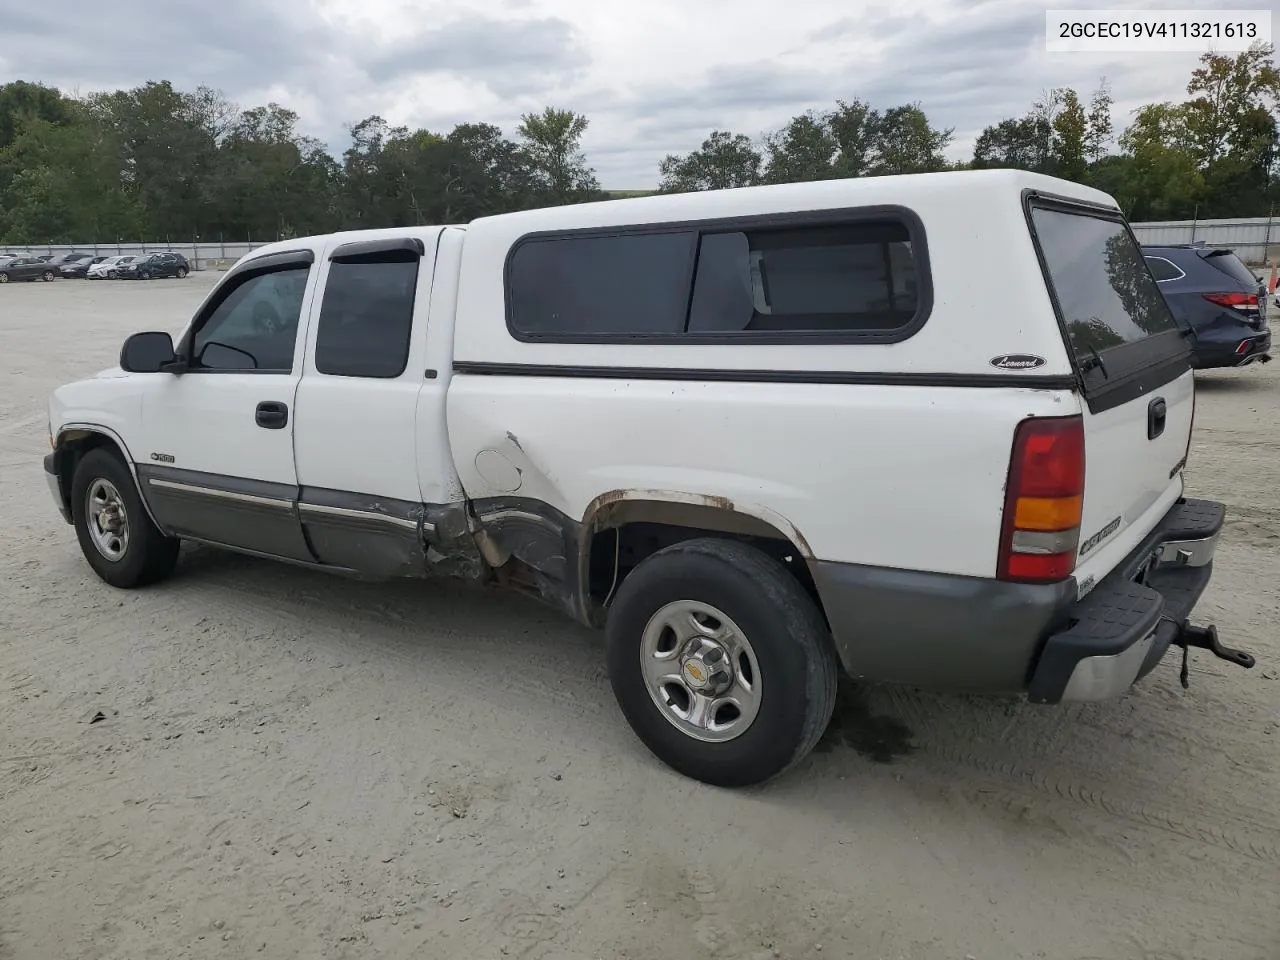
[
  {"x": 271, "y": 415},
  {"x": 1156, "y": 415}
]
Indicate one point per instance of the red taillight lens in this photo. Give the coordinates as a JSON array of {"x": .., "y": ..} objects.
[
  {"x": 1044, "y": 500},
  {"x": 1243, "y": 347},
  {"x": 1238, "y": 300}
]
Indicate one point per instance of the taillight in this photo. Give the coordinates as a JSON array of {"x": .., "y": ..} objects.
[
  {"x": 1044, "y": 500},
  {"x": 1240, "y": 301},
  {"x": 1243, "y": 347}
]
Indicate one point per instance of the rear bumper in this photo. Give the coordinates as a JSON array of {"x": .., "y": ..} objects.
[
  {"x": 1122, "y": 628},
  {"x": 1227, "y": 352},
  {"x": 983, "y": 635}
]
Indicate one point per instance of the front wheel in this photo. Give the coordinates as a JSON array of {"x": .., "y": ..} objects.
[
  {"x": 111, "y": 274},
  {"x": 182, "y": 273},
  {"x": 116, "y": 536},
  {"x": 721, "y": 662},
  {"x": 4, "y": 278},
  {"x": 47, "y": 276}
]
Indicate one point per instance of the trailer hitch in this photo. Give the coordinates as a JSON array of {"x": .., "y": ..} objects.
[{"x": 1206, "y": 638}]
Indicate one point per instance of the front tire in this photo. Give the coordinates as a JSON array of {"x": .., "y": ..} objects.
[
  {"x": 721, "y": 662},
  {"x": 116, "y": 535},
  {"x": 182, "y": 273},
  {"x": 47, "y": 276},
  {"x": 4, "y": 278}
]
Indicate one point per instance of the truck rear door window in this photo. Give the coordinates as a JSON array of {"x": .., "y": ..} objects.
[
  {"x": 366, "y": 316},
  {"x": 1105, "y": 293}
]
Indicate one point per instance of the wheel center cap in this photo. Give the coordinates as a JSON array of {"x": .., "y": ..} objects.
[{"x": 695, "y": 674}]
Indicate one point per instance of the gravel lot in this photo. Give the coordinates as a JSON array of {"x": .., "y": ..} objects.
[{"x": 295, "y": 765}]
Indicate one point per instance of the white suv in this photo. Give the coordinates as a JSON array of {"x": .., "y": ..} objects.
[{"x": 756, "y": 435}]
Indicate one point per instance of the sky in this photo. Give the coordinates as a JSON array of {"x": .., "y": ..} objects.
[{"x": 653, "y": 78}]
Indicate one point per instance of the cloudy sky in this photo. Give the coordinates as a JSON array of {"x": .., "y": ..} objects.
[{"x": 653, "y": 77}]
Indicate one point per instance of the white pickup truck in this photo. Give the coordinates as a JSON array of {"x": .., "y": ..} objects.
[{"x": 927, "y": 429}]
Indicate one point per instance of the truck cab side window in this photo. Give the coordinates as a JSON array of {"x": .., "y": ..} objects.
[
  {"x": 255, "y": 326},
  {"x": 366, "y": 316}
]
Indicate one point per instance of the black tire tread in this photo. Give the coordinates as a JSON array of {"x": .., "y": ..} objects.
[
  {"x": 151, "y": 555},
  {"x": 779, "y": 590}
]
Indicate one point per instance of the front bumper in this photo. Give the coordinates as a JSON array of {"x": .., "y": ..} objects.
[
  {"x": 1122, "y": 628},
  {"x": 53, "y": 476}
]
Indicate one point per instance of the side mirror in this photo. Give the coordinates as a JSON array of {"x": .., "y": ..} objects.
[{"x": 147, "y": 353}]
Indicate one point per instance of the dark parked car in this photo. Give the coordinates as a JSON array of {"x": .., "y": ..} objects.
[
  {"x": 157, "y": 265},
  {"x": 71, "y": 264},
  {"x": 25, "y": 268},
  {"x": 1217, "y": 299}
]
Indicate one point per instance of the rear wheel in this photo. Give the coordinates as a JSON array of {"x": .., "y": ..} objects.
[
  {"x": 4, "y": 278},
  {"x": 111, "y": 274},
  {"x": 47, "y": 276},
  {"x": 116, "y": 536},
  {"x": 721, "y": 662}
]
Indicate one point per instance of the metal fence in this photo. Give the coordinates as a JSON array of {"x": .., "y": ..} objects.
[
  {"x": 1254, "y": 240},
  {"x": 203, "y": 256}
]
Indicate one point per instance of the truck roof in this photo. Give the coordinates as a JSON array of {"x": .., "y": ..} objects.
[{"x": 789, "y": 197}]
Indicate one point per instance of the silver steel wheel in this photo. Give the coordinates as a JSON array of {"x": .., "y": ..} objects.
[
  {"x": 700, "y": 671},
  {"x": 105, "y": 516}
]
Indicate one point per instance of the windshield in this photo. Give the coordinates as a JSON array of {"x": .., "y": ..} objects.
[{"x": 1104, "y": 290}]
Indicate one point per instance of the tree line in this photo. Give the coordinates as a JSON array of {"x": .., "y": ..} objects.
[
  {"x": 1214, "y": 155},
  {"x": 157, "y": 162}
]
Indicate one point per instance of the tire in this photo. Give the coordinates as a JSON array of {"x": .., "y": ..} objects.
[
  {"x": 4, "y": 278},
  {"x": 144, "y": 276},
  {"x": 146, "y": 555},
  {"x": 791, "y": 661},
  {"x": 47, "y": 276},
  {"x": 182, "y": 273},
  {"x": 111, "y": 274}
]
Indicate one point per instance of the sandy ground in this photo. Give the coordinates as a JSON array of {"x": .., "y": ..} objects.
[{"x": 294, "y": 765}]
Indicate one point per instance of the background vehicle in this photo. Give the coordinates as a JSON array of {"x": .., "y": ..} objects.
[
  {"x": 26, "y": 268},
  {"x": 71, "y": 265},
  {"x": 157, "y": 265},
  {"x": 1218, "y": 299},
  {"x": 108, "y": 268},
  {"x": 728, "y": 459}
]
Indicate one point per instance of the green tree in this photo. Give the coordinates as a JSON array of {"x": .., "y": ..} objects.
[
  {"x": 805, "y": 149},
  {"x": 22, "y": 102},
  {"x": 724, "y": 160},
  {"x": 1098, "y": 132},
  {"x": 1228, "y": 95},
  {"x": 906, "y": 142},
  {"x": 1012, "y": 143},
  {"x": 553, "y": 138},
  {"x": 1070, "y": 132}
]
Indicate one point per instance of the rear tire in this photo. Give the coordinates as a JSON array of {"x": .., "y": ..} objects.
[
  {"x": 47, "y": 276},
  {"x": 4, "y": 278},
  {"x": 116, "y": 535},
  {"x": 776, "y": 658}
]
